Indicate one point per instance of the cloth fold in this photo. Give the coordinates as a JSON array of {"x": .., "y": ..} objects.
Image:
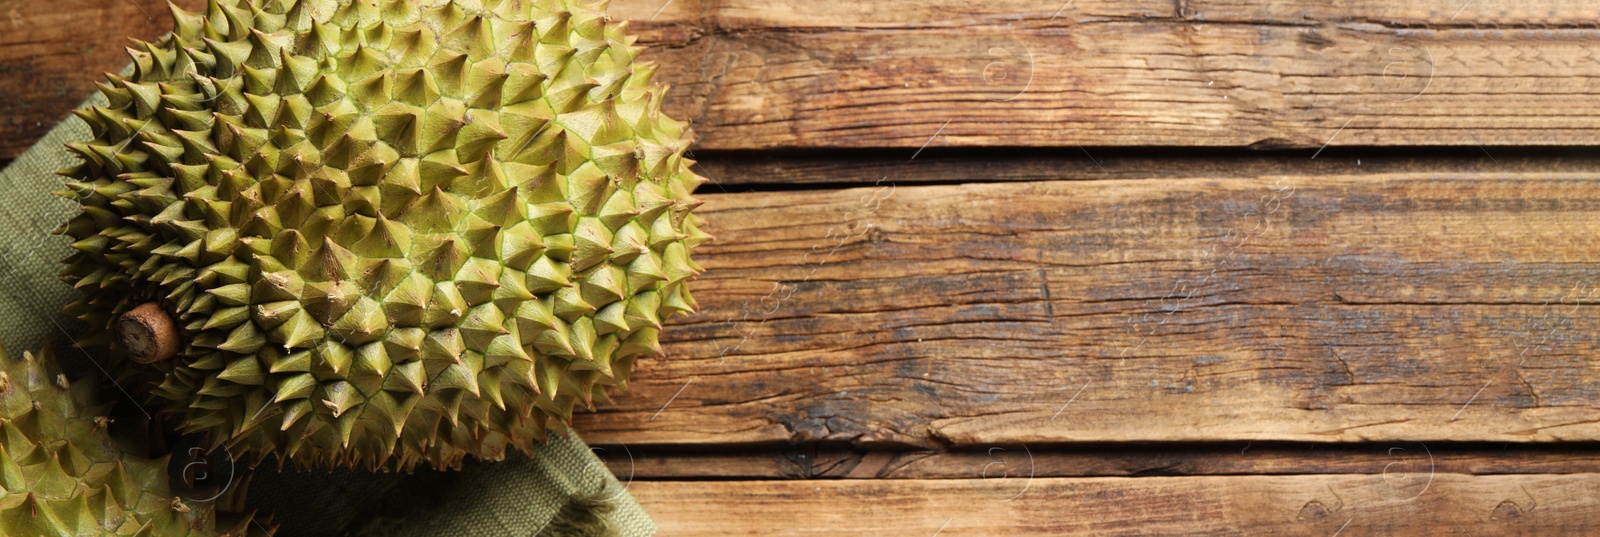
[{"x": 521, "y": 496}]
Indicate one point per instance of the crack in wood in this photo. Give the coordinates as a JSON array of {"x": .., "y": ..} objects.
[{"x": 1044, "y": 291}]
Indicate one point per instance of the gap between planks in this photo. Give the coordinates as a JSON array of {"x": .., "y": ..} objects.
[
  {"x": 1397, "y": 460},
  {"x": 748, "y": 171}
]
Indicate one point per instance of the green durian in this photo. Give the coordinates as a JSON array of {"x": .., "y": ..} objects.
[
  {"x": 387, "y": 232},
  {"x": 62, "y": 474}
]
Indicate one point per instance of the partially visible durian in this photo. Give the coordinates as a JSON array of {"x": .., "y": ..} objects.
[
  {"x": 387, "y": 231},
  {"x": 62, "y": 474}
]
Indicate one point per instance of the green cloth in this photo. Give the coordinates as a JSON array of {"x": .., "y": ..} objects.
[
  {"x": 31, "y": 297},
  {"x": 520, "y": 496}
]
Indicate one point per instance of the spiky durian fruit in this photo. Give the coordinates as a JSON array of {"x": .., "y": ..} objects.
[
  {"x": 62, "y": 474},
  {"x": 387, "y": 231}
]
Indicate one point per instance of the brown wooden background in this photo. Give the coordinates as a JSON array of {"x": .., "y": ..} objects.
[{"x": 1189, "y": 267}]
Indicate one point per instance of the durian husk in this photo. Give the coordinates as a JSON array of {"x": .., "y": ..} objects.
[
  {"x": 62, "y": 474},
  {"x": 390, "y": 233}
]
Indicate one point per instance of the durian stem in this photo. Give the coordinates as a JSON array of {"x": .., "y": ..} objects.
[{"x": 148, "y": 333}]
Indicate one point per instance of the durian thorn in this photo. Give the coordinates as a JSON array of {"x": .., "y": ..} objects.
[{"x": 148, "y": 333}]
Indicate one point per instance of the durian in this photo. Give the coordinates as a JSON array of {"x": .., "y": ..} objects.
[
  {"x": 386, "y": 232},
  {"x": 62, "y": 474}
]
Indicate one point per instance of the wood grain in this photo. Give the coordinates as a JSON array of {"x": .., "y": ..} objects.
[
  {"x": 1443, "y": 504},
  {"x": 893, "y": 73},
  {"x": 1397, "y": 459},
  {"x": 1419, "y": 306}
]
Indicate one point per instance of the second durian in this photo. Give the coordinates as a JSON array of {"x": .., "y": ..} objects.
[
  {"x": 62, "y": 474},
  {"x": 384, "y": 232}
]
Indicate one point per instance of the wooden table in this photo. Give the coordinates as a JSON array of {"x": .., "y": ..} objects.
[{"x": 1097, "y": 266}]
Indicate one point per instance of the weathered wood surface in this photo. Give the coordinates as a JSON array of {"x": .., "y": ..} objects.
[
  {"x": 892, "y": 73},
  {"x": 1322, "y": 309},
  {"x": 1397, "y": 459},
  {"x": 1419, "y": 504}
]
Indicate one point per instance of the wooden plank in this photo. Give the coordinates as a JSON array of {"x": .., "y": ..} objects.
[
  {"x": 1125, "y": 83},
  {"x": 1323, "y": 309},
  {"x": 1442, "y": 504},
  {"x": 1260, "y": 73},
  {"x": 892, "y": 73},
  {"x": 1122, "y": 460}
]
